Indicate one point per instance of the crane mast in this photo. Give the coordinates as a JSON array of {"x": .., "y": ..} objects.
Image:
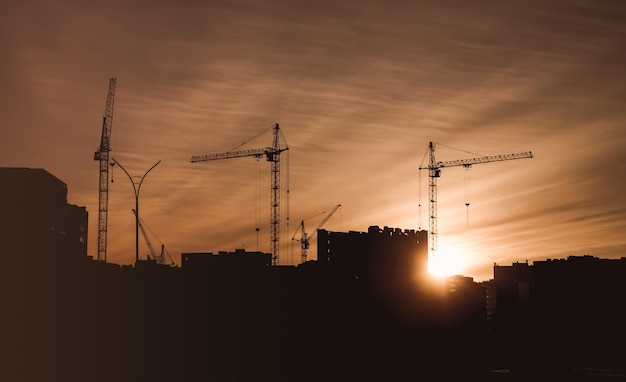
[
  {"x": 434, "y": 172},
  {"x": 306, "y": 239},
  {"x": 102, "y": 155},
  {"x": 272, "y": 154}
]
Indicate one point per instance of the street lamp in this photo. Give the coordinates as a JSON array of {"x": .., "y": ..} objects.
[{"x": 136, "y": 182}]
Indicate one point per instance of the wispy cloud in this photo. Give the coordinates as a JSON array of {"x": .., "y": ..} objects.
[{"x": 359, "y": 89}]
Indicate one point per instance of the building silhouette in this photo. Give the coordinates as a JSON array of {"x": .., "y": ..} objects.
[
  {"x": 366, "y": 309},
  {"x": 37, "y": 220},
  {"x": 43, "y": 241},
  {"x": 561, "y": 314}
]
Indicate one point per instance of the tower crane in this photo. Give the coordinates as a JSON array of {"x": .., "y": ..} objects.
[
  {"x": 159, "y": 258},
  {"x": 148, "y": 242},
  {"x": 306, "y": 238},
  {"x": 272, "y": 154},
  {"x": 102, "y": 155},
  {"x": 434, "y": 172}
]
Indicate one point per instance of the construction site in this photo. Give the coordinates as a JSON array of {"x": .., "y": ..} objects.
[
  {"x": 367, "y": 307},
  {"x": 279, "y": 192}
]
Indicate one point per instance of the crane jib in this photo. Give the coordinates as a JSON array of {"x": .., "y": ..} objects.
[
  {"x": 485, "y": 159},
  {"x": 273, "y": 155},
  {"x": 434, "y": 172}
]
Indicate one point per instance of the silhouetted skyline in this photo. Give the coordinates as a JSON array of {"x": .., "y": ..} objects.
[
  {"x": 367, "y": 309},
  {"x": 359, "y": 89}
]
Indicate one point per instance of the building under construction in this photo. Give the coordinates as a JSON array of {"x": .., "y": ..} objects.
[{"x": 367, "y": 253}]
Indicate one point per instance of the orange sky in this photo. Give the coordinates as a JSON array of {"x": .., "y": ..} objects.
[{"x": 359, "y": 88}]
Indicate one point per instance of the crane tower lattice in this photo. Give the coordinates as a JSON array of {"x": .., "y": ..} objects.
[
  {"x": 272, "y": 154},
  {"x": 434, "y": 172},
  {"x": 102, "y": 155},
  {"x": 305, "y": 238}
]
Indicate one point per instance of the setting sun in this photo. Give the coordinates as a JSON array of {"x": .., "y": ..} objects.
[{"x": 449, "y": 260}]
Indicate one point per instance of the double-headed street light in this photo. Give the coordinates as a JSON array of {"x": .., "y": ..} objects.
[{"x": 136, "y": 182}]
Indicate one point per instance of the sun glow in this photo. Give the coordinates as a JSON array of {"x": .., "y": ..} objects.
[{"x": 449, "y": 260}]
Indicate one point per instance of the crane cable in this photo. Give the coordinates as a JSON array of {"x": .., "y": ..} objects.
[
  {"x": 419, "y": 192},
  {"x": 113, "y": 138},
  {"x": 257, "y": 207},
  {"x": 287, "y": 200},
  {"x": 248, "y": 140},
  {"x": 467, "y": 192},
  {"x": 419, "y": 202},
  {"x": 467, "y": 180},
  {"x": 287, "y": 192}
]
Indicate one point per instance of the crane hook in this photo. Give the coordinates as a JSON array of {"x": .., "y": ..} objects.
[
  {"x": 467, "y": 193},
  {"x": 112, "y": 164}
]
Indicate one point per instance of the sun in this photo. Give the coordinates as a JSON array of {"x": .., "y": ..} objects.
[{"x": 449, "y": 260}]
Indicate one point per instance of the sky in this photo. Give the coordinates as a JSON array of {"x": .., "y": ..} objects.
[{"x": 359, "y": 89}]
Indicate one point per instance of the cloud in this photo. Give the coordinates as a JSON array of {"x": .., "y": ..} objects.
[{"x": 358, "y": 90}]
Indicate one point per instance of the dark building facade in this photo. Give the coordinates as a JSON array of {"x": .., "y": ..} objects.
[
  {"x": 43, "y": 278},
  {"x": 562, "y": 313},
  {"x": 375, "y": 252},
  {"x": 36, "y": 221},
  {"x": 391, "y": 267},
  {"x": 239, "y": 259}
]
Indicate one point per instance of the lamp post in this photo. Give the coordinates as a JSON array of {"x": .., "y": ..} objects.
[{"x": 136, "y": 182}]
